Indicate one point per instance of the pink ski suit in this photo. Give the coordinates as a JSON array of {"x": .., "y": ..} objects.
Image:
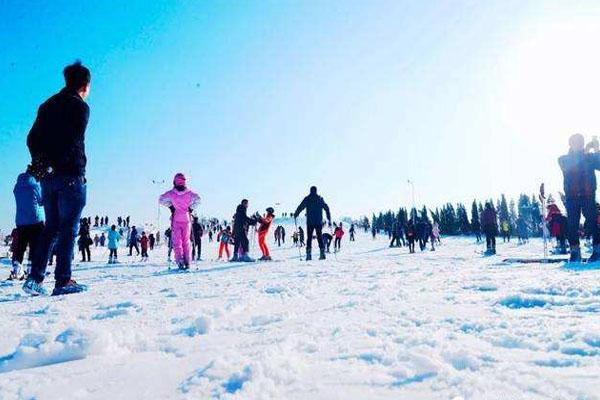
[{"x": 182, "y": 202}]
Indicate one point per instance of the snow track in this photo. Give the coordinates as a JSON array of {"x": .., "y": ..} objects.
[{"x": 374, "y": 323}]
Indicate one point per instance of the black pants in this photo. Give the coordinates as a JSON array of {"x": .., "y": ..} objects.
[
  {"x": 422, "y": 243},
  {"x": 490, "y": 240},
  {"x": 112, "y": 253},
  {"x": 27, "y": 235},
  {"x": 144, "y": 252},
  {"x": 395, "y": 241},
  {"x": 337, "y": 243},
  {"x": 411, "y": 244},
  {"x": 85, "y": 250},
  {"x": 241, "y": 244},
  {"x": 134, "y": 246},
  {"x": 327, "y": 243},
  {"x": 586, "y": 206},
  {"x": 310, "y": 230},
  {"x": 196, "y": 244}
]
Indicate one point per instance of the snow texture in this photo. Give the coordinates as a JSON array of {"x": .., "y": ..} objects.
[{"x": 368, "y": 323}]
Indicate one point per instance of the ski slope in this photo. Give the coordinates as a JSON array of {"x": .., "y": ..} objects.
[{"x": 369, "y": 323}]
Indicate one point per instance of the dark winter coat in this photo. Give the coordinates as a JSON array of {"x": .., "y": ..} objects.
[
  {"x": 579, "y": 171},
  {"x": 489, "y": 221},
  {"x": 58, "y": 133},
  {"x": 241, "y": 220},
  {"x": 197, "y": 232},
  {"x": 28, "y": 195},
  {"x": 314, "y": 205}
]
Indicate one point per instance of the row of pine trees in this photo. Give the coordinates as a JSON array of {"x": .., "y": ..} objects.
[{"x": 456, "y": 220}]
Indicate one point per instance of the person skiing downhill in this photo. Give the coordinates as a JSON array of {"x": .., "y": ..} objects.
[
  {"x": 181, "y": 201},
  {"x": 314, "y": 205},
  {"x": 263, "y": 230},
  {"x": 113, "y": 244},
  {"x": 29, "y": 220},
  {"x": 489, "y": 225},
  {"x": 241, "y": 224},
  {"x": 579, "y": 171},
  {"x": 56, "y": 143}
]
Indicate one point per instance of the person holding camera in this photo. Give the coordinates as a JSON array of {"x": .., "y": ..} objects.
[{"x": 579, "y": 170}]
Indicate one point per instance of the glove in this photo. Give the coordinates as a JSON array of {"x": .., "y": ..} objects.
[{"x": 172, "y": 208}]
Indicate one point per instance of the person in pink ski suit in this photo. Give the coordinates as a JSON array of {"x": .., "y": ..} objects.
[{"x": 181, "y": 201}]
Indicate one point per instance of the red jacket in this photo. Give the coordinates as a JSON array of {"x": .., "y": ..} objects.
[
  {"x": 265, "y": 224},
  {"x": 339, "y": 232},
  {"x": 144, "y": 242}
]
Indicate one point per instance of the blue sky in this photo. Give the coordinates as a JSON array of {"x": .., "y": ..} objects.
[{"x": 263, "y": 99}]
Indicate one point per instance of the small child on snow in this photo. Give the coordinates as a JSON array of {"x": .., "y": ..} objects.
[
  {"x": 224, "y": 238},
  {"x": 339, "y": 234},
  {"x": 144, "y": 244},
  {"x": 263, "y": 230},
  {"x": 181, "y": 201}
]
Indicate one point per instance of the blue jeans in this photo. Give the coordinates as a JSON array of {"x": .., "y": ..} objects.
[
  {"x": 64, "y": 199},
  {"x": 586, "y": 206}
]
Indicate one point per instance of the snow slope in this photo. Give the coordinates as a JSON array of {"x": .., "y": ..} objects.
[{"x": 371, "y": 323}]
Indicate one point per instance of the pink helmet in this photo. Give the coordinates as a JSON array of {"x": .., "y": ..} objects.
[{"x": 179, "y": 179}]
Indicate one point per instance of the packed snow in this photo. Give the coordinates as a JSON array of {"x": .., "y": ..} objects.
[{"x": 370, "y": 322}]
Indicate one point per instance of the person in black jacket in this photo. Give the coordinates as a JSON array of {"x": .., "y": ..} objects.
[
  {"x": 314, "y": 205},
  {"x": 56, "y": 144},
  {"x": 240, "y": 233},
  {"x": 579, "y": 168},
  {"x": 197, "y": 232}
]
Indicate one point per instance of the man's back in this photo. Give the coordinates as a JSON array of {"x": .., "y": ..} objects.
[{"x": 579, "y": 173}]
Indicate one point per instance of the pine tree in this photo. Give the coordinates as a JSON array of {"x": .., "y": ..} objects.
[
  {"x": 503, "y": 212},
  {"x": 463, "y": 223},
  {"x": 475, "y": 218}
]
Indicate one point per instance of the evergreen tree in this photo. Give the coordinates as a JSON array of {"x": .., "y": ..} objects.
[
  {"x": 464, "y": 226},
  {"x": 503, "y": 213},
  {"x": 475, "y": 218}
]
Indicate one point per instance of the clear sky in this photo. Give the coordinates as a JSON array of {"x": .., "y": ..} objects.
[{"x": 261, "y": 99}]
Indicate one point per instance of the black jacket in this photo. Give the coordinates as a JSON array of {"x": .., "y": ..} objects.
[
  {"x": 314, "y": 205},
  {"x": 58, "y": 133},
  {"x": 241, "y": 220},
  {"x": 197, "y": 232}
]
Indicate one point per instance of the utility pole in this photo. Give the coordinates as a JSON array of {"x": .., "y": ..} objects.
[
  {"x": 158, "y": 183},
  {"x": 412, "y": 185}
]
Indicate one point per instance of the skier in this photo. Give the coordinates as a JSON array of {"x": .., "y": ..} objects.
[
  {"x": 84, "y": 241},
  {"x": 224, "y": 238},
  {"x": 351, "y": 232},
  {"x": 277, "y": 235},
  {"x": 489, "y": 225},
  {"x": 410, "y": 236},
  {"x": 181, "y": 201},
  {"x": 373, "y": 232},
  {"x": 263, "y": 230},
  {"x": 476, "y": 227},
  {"x": 421, "y": 233},
  {"x": 144, "y": 241},
  {"x": 240, "y": 231},
  {"x": 435, "y": 233},
  {"x": 119, "y": 221},
  {"x": 282, "y": 235},
  {"x": 113, "y": 244},
  {"x": 301, "y": 237},
  {"x": 127, "y": 220},
  {"x": 197, "y": 232},
  {"x": 505, "y": 232},
  {"x": 579, "y": 170},
  {"x": 29, "y": 219},
  {"x": 314, "y": 205},
  {"x": 169, "y": 243},
  {"x": 96, "y": 221},
  {"x": 339, "y": 234},
  {"x": 210, "y": 235},
  {"x": 327, "y": 239},
  {"x": 152, "y": 241},
  {"x": 96, "y": 240},
  {"x": 102, "y": 239},
  {"x": 522, "y": 230},
  {"x": 395, "y": 234},
  {"x": 557, "y": 224},
  {"x": 133, "y": 241}
]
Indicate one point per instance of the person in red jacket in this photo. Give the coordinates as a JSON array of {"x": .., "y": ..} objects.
[
  {"x": 557, "y": 225},
  {"x": 144, "y": 241},
  {"x": 224, "y": 238},
  {"x": 338, "y": 233},
  {"x": 263, "y": 230}
]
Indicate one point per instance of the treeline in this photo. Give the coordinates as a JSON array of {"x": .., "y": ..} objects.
[{"x": 458, "y": 220}]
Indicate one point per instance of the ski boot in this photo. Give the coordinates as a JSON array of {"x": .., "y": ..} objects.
[
  {"x": 575, "y": 256},
  {"x": 322, "y": 255},
  {"x": 595, "y": 257},
  {"x": 71, "y": 287},
  {"x": 246, "y": 258},
  {"x": 33, "y": 288},
  {"x": 308, "y": 255}
]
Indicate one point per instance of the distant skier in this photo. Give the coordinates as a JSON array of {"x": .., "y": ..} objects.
[
  {"x": 241, "y": 224},
  {"x": 181, "y": 201},
  {"x": 169, "y": 243},
  {"x": 373, "y": 232},
  {"x": 84, "y": 241},
  {"x": 523, "y": 232},
  {"x": 102, "y": 239},
  {"x": 151, "y": 241},
  {"x": 144, "y": 243},
  {"x": 113, "y": 244},
  {"x": 134, "y": 239},
  {"x": 314, "y": 205},
  {"x": 410, "y": 236},
  {"x": 96, "y": 240},
  {"x": 327, "y": 239},
  {"x": 339, "y": 234},
  {"x": 197, "y": 232},
  {"x": 263, "y": 230},
  {"x": 210, "y": 235},
  {"x": 489, "y": 225},
  {"x": 277, "y": 236},
  {"x": 224, "y": 238},
  {"x": 557, "y": 225},
  {"x": 301, "y": 242},
  {"x": 395, "y": 234},
  {"x": 505, "y": 231},
  {"x": 120, "y": 221},
  {"x": 579, "y": 171},
  {"x": 352, "y": 231},
  {"x": 435, "y": 233},
  {"x": 282, "y": 235}
]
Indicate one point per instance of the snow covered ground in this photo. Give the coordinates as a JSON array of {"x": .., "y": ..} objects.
[{"x": 371, "y": 323}]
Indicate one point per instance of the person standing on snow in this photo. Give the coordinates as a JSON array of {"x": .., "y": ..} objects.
[
  {"x": 181, "y": 201},
  {"x": 224, "y": 238},
  {"x": 197, "y": 232},
  {"x": 263, "y": 230},
  {"x": 489, "y": 225},
  {"x": 144, "y": 241},
  {"x": 240, "y": 233},
  {"x": 152, "y": 241},
  {"x": 29, "y": 219},
  {"x": 314, "y": 205},
  {"x": 352, "y": 231},
  {"x": 113, "y": 244},
  {"x": 339, "y": 234},
  {"x": 134, "y": 238},
  {"x": 57, "y": 146},
  {"x": 579, "y": 171}
]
